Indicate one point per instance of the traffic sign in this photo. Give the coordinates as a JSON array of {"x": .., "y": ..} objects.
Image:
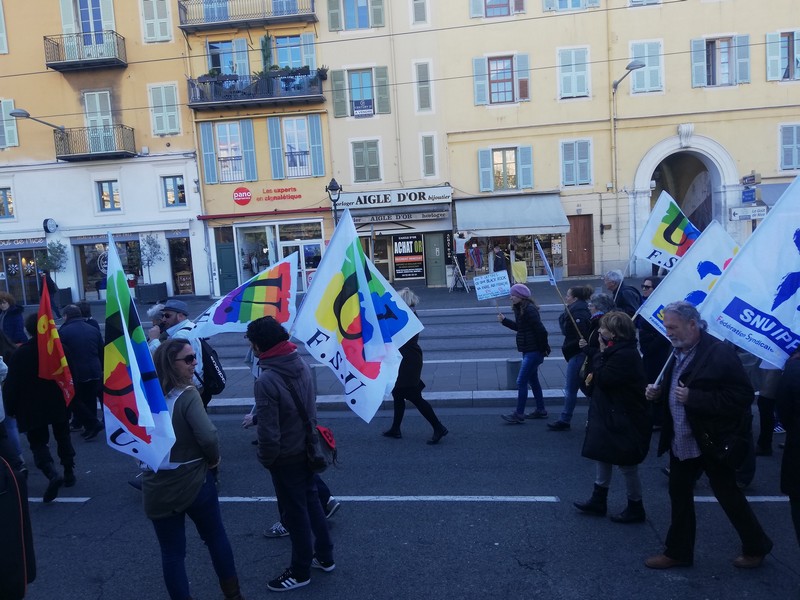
[
  {"x": 748, "y": 213},
  {"x": 749, "y": 195}
]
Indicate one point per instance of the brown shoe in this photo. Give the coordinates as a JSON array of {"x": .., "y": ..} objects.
[
  {"x": 748, "y": 562},
  {"x": 662, "y": 561}
]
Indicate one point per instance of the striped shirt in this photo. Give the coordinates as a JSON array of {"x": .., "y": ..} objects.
[{"x": 684, "y": 445}]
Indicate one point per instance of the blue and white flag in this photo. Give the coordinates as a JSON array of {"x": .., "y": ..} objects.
[{"x": 756, "y": 303}]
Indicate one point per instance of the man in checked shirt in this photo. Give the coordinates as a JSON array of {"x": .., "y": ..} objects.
[{"x": 706, "y": 395}]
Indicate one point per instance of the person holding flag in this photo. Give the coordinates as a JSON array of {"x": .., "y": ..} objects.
[
  {"x": 626, "y": 297},
  {"x": 39, "y": 407}
]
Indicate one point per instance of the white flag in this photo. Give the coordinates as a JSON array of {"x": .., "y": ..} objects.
[{"x": 667, "y": 235}]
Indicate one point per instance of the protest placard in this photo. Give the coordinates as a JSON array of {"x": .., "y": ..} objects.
[{"x": 493, "y": 285}]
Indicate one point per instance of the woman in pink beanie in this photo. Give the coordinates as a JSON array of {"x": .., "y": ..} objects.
[{"x": 532, "y": 343}]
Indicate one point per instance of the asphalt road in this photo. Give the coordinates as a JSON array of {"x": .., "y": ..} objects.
[{"x": 486, "y": 514}]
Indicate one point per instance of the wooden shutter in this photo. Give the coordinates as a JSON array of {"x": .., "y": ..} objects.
[
  {"x": 376, "y": 13},
  {"x": 548, "y": 5},
  {"x": 3, "y": 35},
  {"x": 359, "y": 161},
  {"x": 790, "y": 140},
  {"x": 480, "y": 81},
  {"x": 568, "y": 163},
  {"x": 774, "y": 71},
  {"x": 423, "y": 86},
  {"x": 428, "y": 156},
  {"x": 485, "y": 175},
  {"x": 373, "y": 160},
  {"x": 420, "y": 11},
  {"x": 9, "y": 125},
  {"x": 742, "y": 43},
  {"x": 699, "y": 63},
  {"x": 525, "y": 166},
  {"x": 248, "y": 150},
  {"x": 308, "y": 50},
  {"x": 315, "y": 145},
  {"x": 584, "y": 162},
  {"x": 382, "y": 103},
  {"x": 240, "y": 58},
  {"x": 209, "y": 149},
  {"x": 339, "y": 90},
  {"x": 334, "y": 15},
  {"x": 522, "y": 72},
  {"x": 476, "y": 9},
  {"x": 107, "y": 15},
  {"x": 275, "y": 147}
]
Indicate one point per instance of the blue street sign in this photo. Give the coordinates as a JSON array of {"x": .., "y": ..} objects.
[{"x": 749, "y": 195}]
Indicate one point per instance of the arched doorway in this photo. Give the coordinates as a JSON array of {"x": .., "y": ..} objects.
[{"x": 698, "y": 173}]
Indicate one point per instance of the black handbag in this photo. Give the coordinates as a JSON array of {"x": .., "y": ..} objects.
[
  {"x": 730, "y": 448},
  {"x": 321, "y": 450}
]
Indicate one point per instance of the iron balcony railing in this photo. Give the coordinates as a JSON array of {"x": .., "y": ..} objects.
[
  {"x": 196, "y": 15},
  {"x": 95, "y": 143},
  {"x": 75, "y": 51},
  {"x": 298, "y": 163},
  {"x": 231, "y": 169},
  {"x": 274, "y": 87}
]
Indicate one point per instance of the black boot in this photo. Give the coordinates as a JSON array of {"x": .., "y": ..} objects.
[
  {"x": 438, "y": 433},
  {"x": 597, "y": 504},
  {"x": 55, "y": 481},
  {"x": 69, "y": 476},
  {"x": 230, "y": 589},
  {"x": 633, "y": 513}
]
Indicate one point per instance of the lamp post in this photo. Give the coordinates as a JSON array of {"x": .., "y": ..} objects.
[
  {"x": 21, "y": 113},
  {"x": 334, "y": 190},
  {"x": 631, "y": 66}
]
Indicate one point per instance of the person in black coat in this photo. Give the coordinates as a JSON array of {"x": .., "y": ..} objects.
[
  {"x": 574, "y": 322},
  {"x": 655, "y": 348},
  {"x": 706, "y": 398},
  {"x": 788, "y": 404},
  {"x": 38, "y": 405},
  {"x": 618, "y": 427},
  {"x": 11, "y": 320},
  {"x": 532, "y": 343},
  {"x": 83, "y": 347},
  {"x": 626, "y": 297},
  {"x": 409, "y": 384}
]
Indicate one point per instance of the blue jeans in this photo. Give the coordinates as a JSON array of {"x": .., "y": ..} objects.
[
  {"x": 529, "y": 375},
  {"x": 302, "y": 515},
  {"x": 571, "y": 386},
  {"x": 171, "y": 533}
]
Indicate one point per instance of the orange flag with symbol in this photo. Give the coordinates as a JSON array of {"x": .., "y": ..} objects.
[{"x": 52, "y": 362}]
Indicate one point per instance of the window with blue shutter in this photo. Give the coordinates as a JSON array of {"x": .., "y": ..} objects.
[
  {"x": 525, "y": 166},
  {"x": 428, "y": 156},
  {"x": 522, "y": 73},
  {"x": 576, "y": 167},
  {"x": 275, "y": 147},
  {"x": 790, "y": 147},
  {"x": 480, "y": 81},
  {"x": 248, "y": 150},
  {"x": 485, "y": 175},
  {"x": 742, "y": 44},
  {"x": 3, "y": 36},
  {"x": 698, "y": 55},
  {"x": 164, "y": 109},
  {"x": 382, "y": 103},
  {"x": 209, "y": 150},
  {"x": 8, "y": 125},
  {"x": 315, "y": 140},
  {"x": 573, "y": 71},
  {"x": 309, "y": 50}
]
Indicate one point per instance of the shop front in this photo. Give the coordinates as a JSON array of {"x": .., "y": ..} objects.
[
  {"x": 404, "y": 232},
  {"x": 18, "y": 275},
  {"x": 92, "y": 257},
  {"x": 513, "y": 223}
]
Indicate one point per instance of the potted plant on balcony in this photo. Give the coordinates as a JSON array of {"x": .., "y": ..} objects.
[
  {"x": 151, "y": 253},
  {"x": 212, "y": 75},
  {"x": 322, "y": 72}
]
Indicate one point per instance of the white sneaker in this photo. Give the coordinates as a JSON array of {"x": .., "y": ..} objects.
[{"x": 276, "y": 531}]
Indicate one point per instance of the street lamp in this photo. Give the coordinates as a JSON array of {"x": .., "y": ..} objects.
[
  {"x": 334, "y": 191},
  {"x": 631, "y": 66},
  {"x": 20, "y": 113}
]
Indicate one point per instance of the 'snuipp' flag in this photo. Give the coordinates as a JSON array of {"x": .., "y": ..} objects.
[
  {"x": 756, "y": 303},
  {"x": 271, "y": 293},
  {"x": 694, "y": 276},
  {"x": 354, "y": 322},
  {"x": 546, "y": 263},
  {"x": 52, "y": 361},
  {"x": 138, "y": 422},
  {"x": 667, "y": 235}
]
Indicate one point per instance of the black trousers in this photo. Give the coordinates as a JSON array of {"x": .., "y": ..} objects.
[
  {"x": 413, "y": 395},
  {"x": 682, "y": 530},
  {"x": 84, "y": 404},
  {"x": 39, "y": 437}
]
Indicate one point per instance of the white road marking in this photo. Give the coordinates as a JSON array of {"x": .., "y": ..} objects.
[{"x": 65, "y": 500}]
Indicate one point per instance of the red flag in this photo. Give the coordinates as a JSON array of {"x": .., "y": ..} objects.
[{"x": 52, "y": 362}]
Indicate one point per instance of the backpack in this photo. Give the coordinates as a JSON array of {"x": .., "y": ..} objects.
[{"x": 213, "y": 378}]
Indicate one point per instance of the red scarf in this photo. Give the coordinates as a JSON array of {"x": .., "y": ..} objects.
[{"x": 280, "y": 349}]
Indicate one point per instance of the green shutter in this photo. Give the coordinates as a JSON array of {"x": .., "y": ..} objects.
[
  {"x": 339, "y": 90},
  {"x": 376, "y": 13},
  {"x": 315, "y": 144},
  {"x": 9, "y": 123},
  {"x": 485, "y": 176},
  {"x": 475, "y": 9},
  {"x": 171, "y": 112},
  {"x": 373, "y": 161},
  {"x": 423, "y": 86},
  {"x": 359, "y": 162},
  {"x": 334, "y": 15},
  {"x": 480, "y": 81},
  {"x": 275, "y": 147},
  {"x": 428, "y": 156},
  {"x": 382, "y": 104},
  {"x": 209, "y": 153},
  {"x": 797, "y": 54},
  {"x": 157, "y": 103}
]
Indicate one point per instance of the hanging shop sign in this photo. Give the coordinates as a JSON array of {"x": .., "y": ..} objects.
[{"x": 409, "y": 257}]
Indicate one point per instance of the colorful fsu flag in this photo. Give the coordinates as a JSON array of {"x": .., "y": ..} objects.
[
  {"x": 52, "y": 361},
  {"x": 667, "y": 235},
  {"x": 270, "y": 293},
  {"x": 354, "y": 322},
  {"x": 694, "y": 276},
  {"x": 756, "y": 304},
  {"x": 137, "y": 420}
]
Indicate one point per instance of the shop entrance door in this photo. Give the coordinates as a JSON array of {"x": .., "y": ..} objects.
[
  {"x": 19, "y": 276},
  {"x": 434, "y": 260},
  {"x": 580, "y": 255},
  {"x": 226, "y": 267},
  {"x": 308, "y": 261}
]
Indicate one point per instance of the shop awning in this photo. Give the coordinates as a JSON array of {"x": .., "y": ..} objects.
[{"x": 524, "y": 214}]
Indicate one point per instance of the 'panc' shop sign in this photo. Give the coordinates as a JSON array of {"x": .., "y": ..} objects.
[{"x": 396, "y": 198}]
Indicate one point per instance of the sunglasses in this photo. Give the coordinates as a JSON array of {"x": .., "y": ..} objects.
[
  {"x": 188, "y": 359},
  {"x": 647, "y": 287},
  {"x": 167, "y": 315}
]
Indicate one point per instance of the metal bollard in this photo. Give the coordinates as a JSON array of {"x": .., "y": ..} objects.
[{"x": 513, "y": 366}]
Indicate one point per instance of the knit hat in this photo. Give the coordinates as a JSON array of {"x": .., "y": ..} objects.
[
  {"x": 520, "y": 291},
  {"x": 181, "y": 307}
]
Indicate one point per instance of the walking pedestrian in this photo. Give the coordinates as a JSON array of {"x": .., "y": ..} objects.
[
  {"x": 284, "y": 390},
  {"x": 705, "y": 424},
  {"x": 618, "y": 427},
  {"x": 788, "y": 404},
  {"x": 655, "y": 348},
  {"x": 409, "y": 384},
  {"x": 532, "y": 343},
  {"x": 575, "y": 323},
  {"x": 626, "y": 297},
  {"x": 183, "y": 485},
  {"x": 11, "y": 320}
]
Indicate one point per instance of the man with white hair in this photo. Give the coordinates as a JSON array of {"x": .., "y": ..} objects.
[{"x": 626, "y": 297}]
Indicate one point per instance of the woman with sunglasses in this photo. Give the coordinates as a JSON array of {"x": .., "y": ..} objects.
[
  {"x": 183, "y": 484},
  {"x": 618, "y": 427},
  {"x": 655, "y": 348}
]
